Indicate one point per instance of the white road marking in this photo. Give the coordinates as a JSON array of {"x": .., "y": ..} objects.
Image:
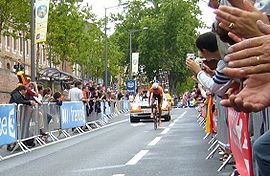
[
  {"x": 165, "y": 131},
  {"x": 182, "y": 115},
  {"x": 118, "y": 175},
  {"x": 172, "y": 124},
  {"x": 137, "y": 124},
  {"x": 137, "y": 157},
  {"x": 155, "y": 141},
  {"x": 98, "y": 168}
]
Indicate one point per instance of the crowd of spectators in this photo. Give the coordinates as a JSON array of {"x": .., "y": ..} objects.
[
  {"x": 90, "y": 94},
  {"x": 239, "y": 41}
]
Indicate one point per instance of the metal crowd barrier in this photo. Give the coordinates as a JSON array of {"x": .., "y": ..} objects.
[
  {"x": 245, "y": 129},
  {"x": 19, "y": 124}
]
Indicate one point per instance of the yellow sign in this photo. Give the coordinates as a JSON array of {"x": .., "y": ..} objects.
[{"x": 41, "y": 22}]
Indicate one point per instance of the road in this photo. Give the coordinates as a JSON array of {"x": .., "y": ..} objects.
[{"x": 124, "y": 149}]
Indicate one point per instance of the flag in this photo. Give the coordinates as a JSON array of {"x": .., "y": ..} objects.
[{"x": 209, "y": 116}]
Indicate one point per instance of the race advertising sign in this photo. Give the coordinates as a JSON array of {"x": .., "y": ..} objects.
[
  {"x": 72, "y": 114},
  {"x": 131, "y": 86},
  {"x": 41, "y": 23},
  {"x": 240, "y": 141},
  {"x": 8, "y": 130}
]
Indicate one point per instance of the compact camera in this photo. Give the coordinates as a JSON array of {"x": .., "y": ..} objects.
[{"x": 191, "y": 56}]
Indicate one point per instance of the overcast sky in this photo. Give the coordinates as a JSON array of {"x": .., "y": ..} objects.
[{"x": 98, "y": 9}]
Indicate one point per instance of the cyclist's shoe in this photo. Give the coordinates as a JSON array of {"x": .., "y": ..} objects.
[{"x": 152, "y": 115}]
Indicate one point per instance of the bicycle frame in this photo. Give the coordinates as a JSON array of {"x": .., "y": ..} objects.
[{"x": 155, "y": 115}]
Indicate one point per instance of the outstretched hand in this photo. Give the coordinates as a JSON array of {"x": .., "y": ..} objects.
[
  {"x": 251, "y": 56},
  {"x": 253, "y": 97},
  {"x": 243, "y": 20}
]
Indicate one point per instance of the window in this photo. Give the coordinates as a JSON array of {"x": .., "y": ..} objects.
[
  {"x": 20, "y": 45},
  {"x": 7, "y": 43},
  {"x": 8, "y": 66},
  {"x": 26, "y": 47},
  {"x": 14, "y": 46}
]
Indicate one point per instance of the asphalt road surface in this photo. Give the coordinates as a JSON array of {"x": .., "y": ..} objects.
[{"x": 124, "y": 149}]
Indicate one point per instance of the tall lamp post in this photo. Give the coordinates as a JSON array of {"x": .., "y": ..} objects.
[
  {"x": 33, "y": 69},
  {"x": 106, "y": 42},
  {"x": 130, "y": 47}
]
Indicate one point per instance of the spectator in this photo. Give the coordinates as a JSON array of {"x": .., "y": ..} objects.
[
  {"x": 47, "y": 94},
  {"x": 208, "y": 48},
  {"x": 58, "y": 98},
  {"x": 18, "y": 96},
  {"x": 76, "y": 94}
]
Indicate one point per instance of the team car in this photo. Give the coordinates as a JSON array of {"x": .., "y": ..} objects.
[{"x": 141, "y": 110}]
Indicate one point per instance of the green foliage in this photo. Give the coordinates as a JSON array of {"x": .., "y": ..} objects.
[
  {"x": 76, "y": 36},
  {"x": 15, "y": 15},
  {"x": 185, "y": 86},
  {"x": 171, "y": 34}
]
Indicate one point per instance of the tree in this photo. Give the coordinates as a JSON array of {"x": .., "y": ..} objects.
[
  {"x": 171, "y": 34},
  {"x": 75, "y": 35},
  {"x": 15, "y": 16}
]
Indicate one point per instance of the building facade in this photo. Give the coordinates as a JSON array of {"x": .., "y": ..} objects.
[{"x": 17, "y": 49}]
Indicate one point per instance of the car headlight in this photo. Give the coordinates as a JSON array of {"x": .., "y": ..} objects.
[
  {"x": 135, "y": 108},
  {"x": 165, "y": 106}
]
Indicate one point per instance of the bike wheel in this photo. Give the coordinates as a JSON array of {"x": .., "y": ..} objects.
[{"x": 155, "y": 121}]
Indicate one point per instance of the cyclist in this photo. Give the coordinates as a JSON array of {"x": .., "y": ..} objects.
[{"x": 156, "y": 92}]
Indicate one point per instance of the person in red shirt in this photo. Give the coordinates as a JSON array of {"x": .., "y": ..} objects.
[{"x": 156, "y": 92}]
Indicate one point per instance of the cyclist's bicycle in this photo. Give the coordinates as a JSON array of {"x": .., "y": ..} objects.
[{"x": 155, "y": 112}]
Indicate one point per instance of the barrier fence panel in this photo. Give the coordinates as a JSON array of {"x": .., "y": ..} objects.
[
  {"x": 222, "y": 128},
  {"x": 49, "y": 116},
  {"x": 72, "y": 114},
  {"x": 267, "y": 119},
  {"x": 107, "y": 110},
  {"x": 258, "y": 124},
  {"x": 125, "y": 105},
  {"x": 27, "y": 121},
  {"x": 8, "y": 125}
]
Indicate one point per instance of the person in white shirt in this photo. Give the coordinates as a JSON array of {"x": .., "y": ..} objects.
[{"x": 76, "y": 94}]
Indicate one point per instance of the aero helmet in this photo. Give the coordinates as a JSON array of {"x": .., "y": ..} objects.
[{"x": 155, "y": 86}]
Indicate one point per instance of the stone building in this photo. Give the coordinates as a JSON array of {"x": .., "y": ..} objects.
[{"x": 14, "y": 50}]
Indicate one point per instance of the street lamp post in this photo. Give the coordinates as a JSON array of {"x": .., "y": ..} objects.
[
  {"x": 33, "y": 73},
  {"x": 106, "y": 42},
  {"x": 130, "y": 47}
]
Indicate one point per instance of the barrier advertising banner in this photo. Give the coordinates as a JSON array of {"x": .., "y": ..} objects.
[
  {"x": 41, "y": 23},
  {"x": 72, "y": 114},
  {"x": 8, "y": 130},
  {"x": 240, "y": 141}
]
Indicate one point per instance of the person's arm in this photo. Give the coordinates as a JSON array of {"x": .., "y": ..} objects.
[
  {"x": 203, "y": 92},
  {"x": 217, "y": 84},
  {"x": 19, "y": 99},
  {"x": 150, "y": 97},
  {"x": 213, "y": 85},
  {"x": 35, "y": 88}
]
